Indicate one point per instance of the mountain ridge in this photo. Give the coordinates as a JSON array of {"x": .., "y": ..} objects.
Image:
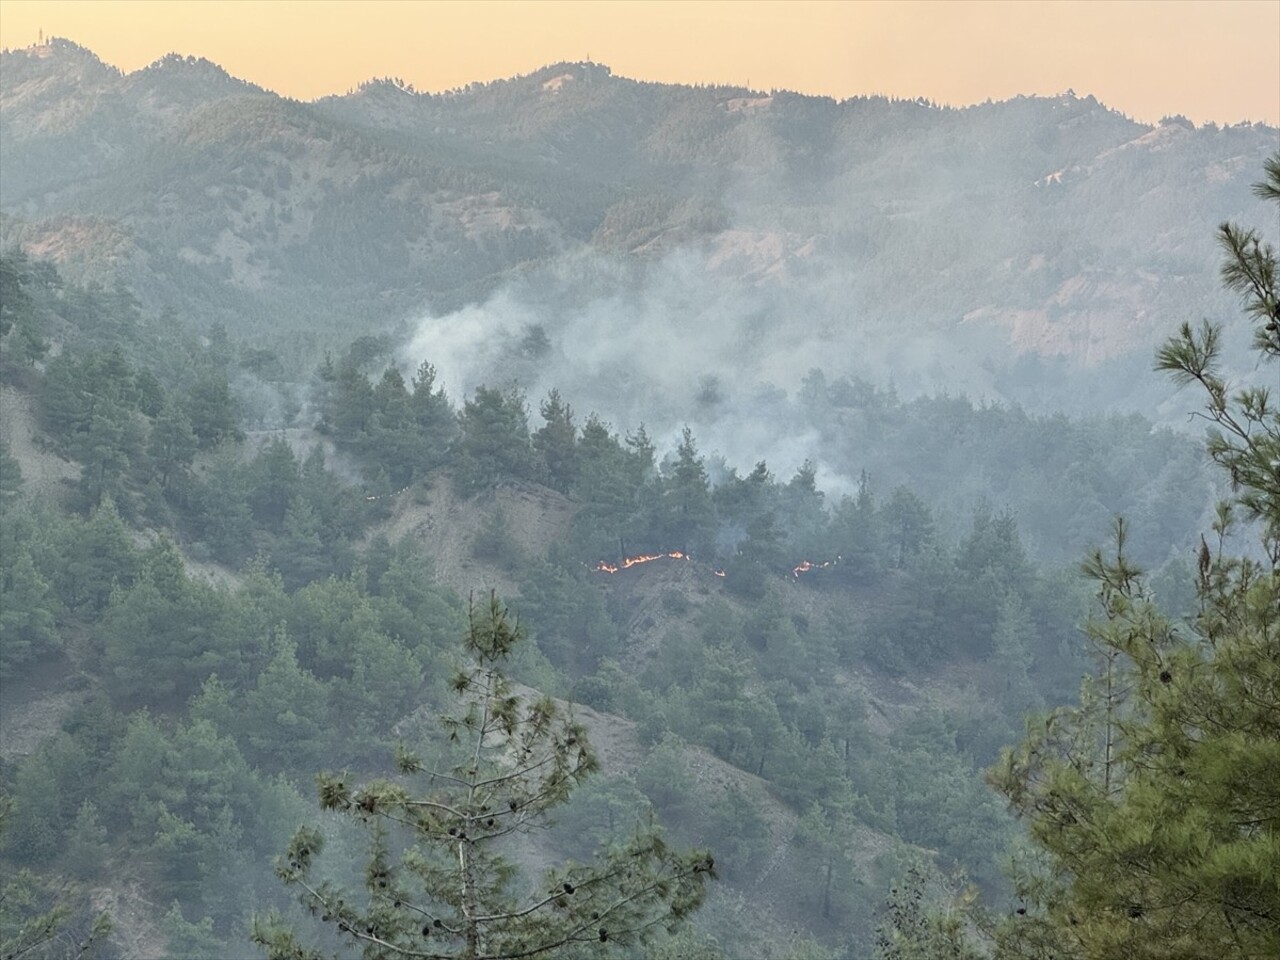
[{"x": 1051, "y": 226}]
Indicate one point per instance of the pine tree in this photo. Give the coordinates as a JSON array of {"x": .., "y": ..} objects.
[
  {"x": 495, "y": 443},
  {"x": 28, "y": 627},
  {"x": 436, "y": 422},
  {"x": 37, "y": 922},
  {"x": 171, "y": 444},
  {"x": 916, "y": 927},
  {"x": 689, "y": 512},
  {"x": 449, "y": 891},
  {"x": 21, "y": 338},
  {"x": 556, "y": 442},
  {"x": 10, "y": 475},
  {"x": 1156, "y": 801}
]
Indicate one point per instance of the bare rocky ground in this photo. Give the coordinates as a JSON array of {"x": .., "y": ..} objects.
[
  {"x": 135, "y": 927},
  {"x": 33, "y": 709},
  {"x": 446, "y": 525},
  {"x": 44, "y": 474}
]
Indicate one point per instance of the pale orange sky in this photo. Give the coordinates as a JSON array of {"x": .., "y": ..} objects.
[{"x": 1214, "y": 60}]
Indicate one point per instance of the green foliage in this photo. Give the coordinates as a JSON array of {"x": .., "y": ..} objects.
[
  {"x": 825, "y": 833},
  {"x": 857, "y": 534},
  {"x": 601, "y": 812},
  {"x": 22, "y": 340},
  {"x": 908, "y": 527},
  {"x": 921, "y": 923},
  {"x": 210, "y": 409},
  {"x": 321, "y": 651},
  {"x": 300, "y": 553},
  {"x": 384, "y": 681},
  {"x": 433, "y": 416},
  {"x": 566, "y": 613},
  {"x": 194, "y": 940},
  {"x": 436, "y": 875},
  {"x": 556, "y": 443},
  {"x": 667, "y": 782},
  {"x": 27, "y": 624},
  {"x": 166, "y": 633},
  {"x": 614, "y": 490},
  {"x": 1153, "y": 802},
  {"x": 739, "y": 834},
  {"x": 283, "y": 719},
  {"x": 14, "y": 300},
  {"x": 190, "y": 800},
  {"x": 940, "y": 805},
  {"x": 97, "y": 557},
  {"x": 40, "y": 922},
  {"x": 494, "y": 443},
  {"x": 275, "y": 478},
  {"x": 687, "y": 513},
  {"x": 91, "y": 409},
  {"x": 10, "y": 475},
  {"x": 172, "y": 444},
  {"x": 493, "y": 541},
  {"x": 87, "y": 848}
]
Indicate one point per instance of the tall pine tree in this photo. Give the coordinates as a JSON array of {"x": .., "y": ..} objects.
[
  {"x": 439, "y": 882},
  {"x": 1156, "y": 801}
]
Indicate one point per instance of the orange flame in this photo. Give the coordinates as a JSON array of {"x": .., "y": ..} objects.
[
  {"x": 628, "y": 562},
  {"x": 604, "y": 566},
  {"x": 804, "y": 566}
]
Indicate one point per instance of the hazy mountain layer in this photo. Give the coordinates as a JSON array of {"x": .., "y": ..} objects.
[{"x": 863, "y": 234}]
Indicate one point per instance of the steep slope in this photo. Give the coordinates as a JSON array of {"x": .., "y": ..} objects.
[
  {"x": 44, "y": 473},
  {"x": 447, "y": 526}
]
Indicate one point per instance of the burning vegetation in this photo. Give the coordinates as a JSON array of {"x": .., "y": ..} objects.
[
  {"x": 805, "y": 566},
  {"x": 626, "y": 563}
]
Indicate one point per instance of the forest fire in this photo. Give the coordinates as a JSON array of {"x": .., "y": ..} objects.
[
  {"x": 604, "y": 566},
  {"x": 628, "y": 562},
  {"x": 804, "y": 566}
]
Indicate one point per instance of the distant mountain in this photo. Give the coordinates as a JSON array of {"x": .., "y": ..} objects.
[{"x": 1043, "y": 227}]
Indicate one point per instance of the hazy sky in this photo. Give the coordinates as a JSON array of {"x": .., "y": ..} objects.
[{"x": 1214, "y": 60}]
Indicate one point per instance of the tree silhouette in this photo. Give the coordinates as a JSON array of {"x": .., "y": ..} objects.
[{"x": 1154, "y": 802}]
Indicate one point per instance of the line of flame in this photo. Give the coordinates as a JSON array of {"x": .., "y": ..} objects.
[
  {"x": 628, "y": 562},
  {"x": 804, "y": 566}
]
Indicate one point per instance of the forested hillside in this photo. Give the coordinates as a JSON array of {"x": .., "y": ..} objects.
[
  {"x": 316, "y": 609},
  {"x": 321, "y": 421},
  {"x": 785, "y": 679}
]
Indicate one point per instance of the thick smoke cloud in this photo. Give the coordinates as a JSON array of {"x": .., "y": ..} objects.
[
  {"x": 686, "y": 340},
  {"x": 934, "y": 261}
]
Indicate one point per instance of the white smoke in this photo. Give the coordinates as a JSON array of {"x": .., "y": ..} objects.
[{"x": 685, "y": 341}]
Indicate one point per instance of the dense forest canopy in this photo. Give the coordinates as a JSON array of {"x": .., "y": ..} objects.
[{"x": 762, "y": 613}]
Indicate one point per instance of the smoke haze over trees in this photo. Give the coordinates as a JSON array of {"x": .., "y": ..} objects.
[{"x": 782, "y": 426}]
